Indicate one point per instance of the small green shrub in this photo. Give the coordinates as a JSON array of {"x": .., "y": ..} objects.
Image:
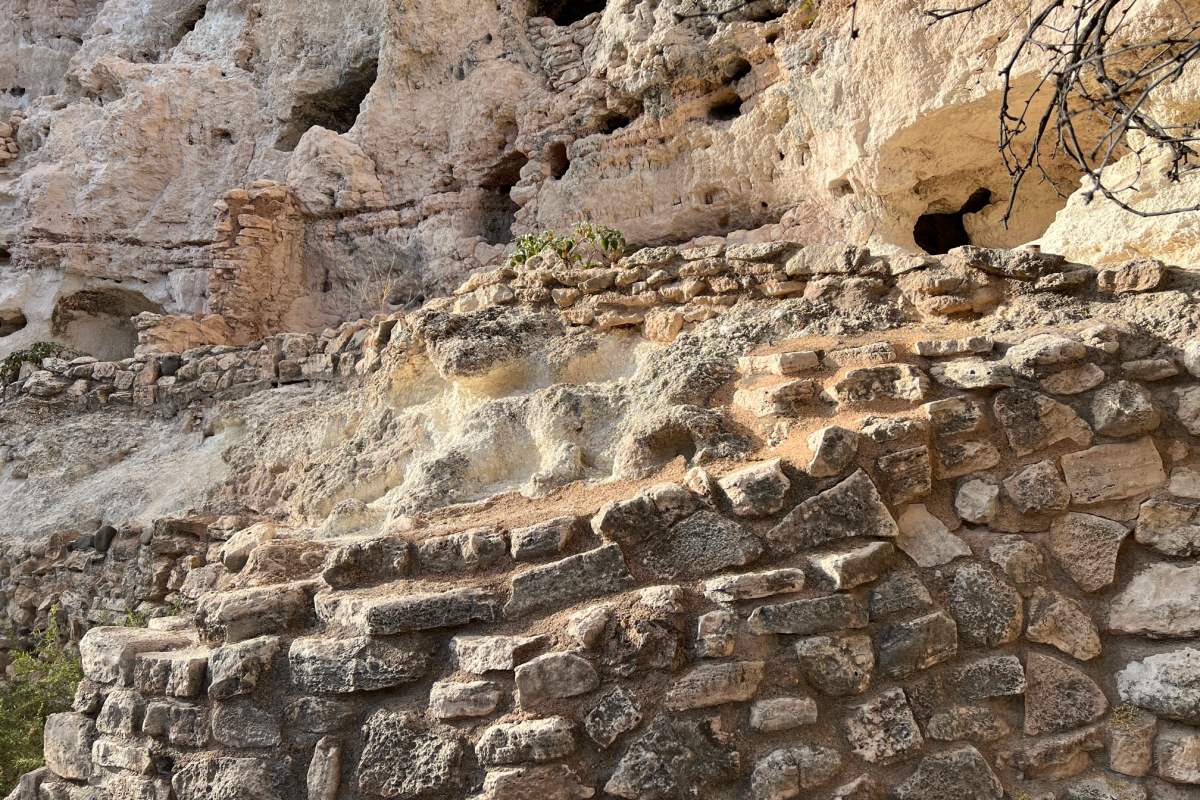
[
  {"x": 42, "y": 683},
  {"x": 586, "y": 246},
  {"x": 10, "y": 368}
]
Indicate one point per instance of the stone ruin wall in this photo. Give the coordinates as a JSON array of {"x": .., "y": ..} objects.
[{"x": 976, "y": 578}]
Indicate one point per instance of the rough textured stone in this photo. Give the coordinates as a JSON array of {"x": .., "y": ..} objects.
[
  {"x": 753, "y": 585},
  {"x": 1020, "y": 559},
  {"x": 1113, "y": 471},
  {"x": 700, "y": 545},
  {"x": 518, "y": 742},
  {"x": 1131, "y": 740},
  {"x": 977, "y": 501},
  {"x": 906, "y": 475},
  {"x": 482, "y": 654},
  {"x": 1086, "y": 547},
  {"x": 883, "y": 730},
  {"x": 1161, "y": 601},
  {"x": 67, "y": 745},
  {"x": 672, "y": 758},
  {"x": 1060, "y": 622},
  {"x": 1124, "y": 408},
  {"x": 973, "y": 373},
  {"x": 715, "y": 684},
  {"x": 988, "y": 611},
  {"x": 452, "y": 700},
  {"x": 951, "y": 775},
  {"x": 907, "y": 647},
  {"x": 239, "y": 723},
  {"x": 354, "y": 664},
  {"x": 582, "y": 577},
  {"x": 550, "y": 782},
  {"x": 616, "y": 713},
  {"x": 833, "y": 451},
  {"x": 851, "y": 508},
  {"x": 1171, "y": 528},
  {"x": 1038, "y": 489},
  {"x": 237, "y": 668},
  {"x": 898, "y": 593},
  {"x": 1167, "y": 684},
  {"x": 228, "y": 777},
  {"x": 402, "y": 758},
  {"x": 546, "y": 539},
  {"x": 837, "y": 665},
  {"x": 1043, "y": 352},
  {"x": 554, "y": 676},
  {"x": 1059, "y": 697},
  {"x": 926, "y": 540},
  {"x": 818, "y": 615},
  {"x": 108, "y": 654},
  {"x": 784, "y": 774},
  {"x": 1177, "y": 755},
  {"x": 782, "y": 713},
  {"x": 846, "y": 569},
  {"x": 758, "y": 490},
  {"x": 1033, "y": 422},
  {"x": 994, "y": 676},
  {"x": 971, "y": 723}
]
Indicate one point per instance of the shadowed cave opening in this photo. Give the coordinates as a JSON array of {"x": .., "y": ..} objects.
[
  {"x": 558, "y": 160},
  {"x": 727, "y": 106},
  {"x": 938, "y": 234},
  {"x": 565, "y": 12},
  {"x": 99, "y": 321},
  {"x": 335, "y": 109},
  {"x": 498, "y": 209}
]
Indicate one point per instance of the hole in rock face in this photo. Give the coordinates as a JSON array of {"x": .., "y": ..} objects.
[
  {"x": 98, "y": 321},
  {"x": 191, "y": 22},
  {"x": 726, "y": 107},
  {"x": 565, "y": 12},
  {"x": 499, "y": 211},
  {"x": 938, "y": 234},
  {"x": 738, "y": 69},
  {"x": 556, "y": 156},
  {"x": 335, "y": 109},
  {"x": 11, "y": 321}
]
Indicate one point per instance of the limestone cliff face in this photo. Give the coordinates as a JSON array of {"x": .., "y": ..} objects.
[{"x": 419, "y": 139}]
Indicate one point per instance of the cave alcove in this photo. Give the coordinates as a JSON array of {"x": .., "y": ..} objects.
[{"x": 938, "y": 234}]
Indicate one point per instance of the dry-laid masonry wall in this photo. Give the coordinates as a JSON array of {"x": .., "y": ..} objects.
[{"x": 974, "y": 576}]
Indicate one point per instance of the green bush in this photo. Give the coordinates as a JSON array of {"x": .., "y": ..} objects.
[
  {"x": 10, "y": 368},
  {"x": 586, "y": 246},
  {"x": 42, "y": 682}
]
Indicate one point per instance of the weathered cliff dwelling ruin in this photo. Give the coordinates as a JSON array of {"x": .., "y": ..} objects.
[{"x": 816, "y": 478}]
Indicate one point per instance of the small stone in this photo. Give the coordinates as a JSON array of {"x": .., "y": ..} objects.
[
  {"x": 704, "y": 543},
  {"x": 587, "y": 627},
  {"x": 549, "y": 782},
  {"x": 1171, "y": 528},
  {"x": 993, "y": 676},
  {"x": 778, "y": 399},
  {"x": 956, "y": 459},
  {"x": 238, "y": 723},
  {"x": 1060, "y": 622},
  {"x": 122, "y": 714},
  {"x": 482, "y": 654},
  {"x": 941, "y": 348},
  {"x": 546, "y": 539},
  {"x": 534, "y": 740},
  {"x": 1038, "y": 489},
  {"x": 1106, "y": 787},
  {"x": 1033, "y": 356},
  {"x": 966, "y": 722},
  {"x": 1185, "y": 482},
  {"x": 817, "y": 615},
  {"x": 952, "y": 775},
  {"x": 884, "y": 731},
  {"x": 1086, "y": 548},
  {"x": 784, "y": 364},
  {"x": 1032, "y": 421},
  {"x": 978, "y": 501},
  {"x": 782, "y": 714},
  {"x": 715, "y": 684},
  {"x": 973, "y": 373},
  {"x": 1131, "y": 740},
  {"x": 1059, "y": 697},
  {"x": 758, "y": 490},
  {"x": 851, "y": 508},
  {"x": 614, "y": 715},
  {"x": 833, "y": 450},
  {"x": 716, "y": 634},
  {"x": 1021, "y": 560},
  {"x": 108, "y": 654},
  {"x": 1113, "y": 471},
  {"x": 907, "y": 474},
  {"x": 899, "y": 593},
  {"x": 1054, "y": 757},
  {"x": 926, "y": 540},
  {"x": 1150, "y": 369},
  {"x": 1074, "y": 380},
  {"x": 181, "y": 725},
  {"x": 837, "y": 665},
  {"x": 324, "y": 775},
  {"x": 1124, "y": 408},
  {"x": 887, "y": 383},
  {"x": 861, "y": 788},
  {"x": 1177, "y": 754},
  {"x": 1139, "y": 275},
  {"x": 988, "y": 611},
  {"x": 954, "y": 415},
  {"x": 847, "y": 569},
  {"x": 470, "y": 550},
  {"x": 784, "y": 774},
  {"x": 1162, "y": 600},
  {"x": 1191, "y": 357},
  {"x": 753, "y": 585},
  {"x": 907, "y": 647},
  {"x": 1167, "y": 684},
  {"x": 450, "y": 700},
  {"x": 554, "y": 676}
]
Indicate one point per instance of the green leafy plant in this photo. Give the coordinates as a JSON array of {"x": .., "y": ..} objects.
[
  {"x": 41, "y": 682},
  {"x": 588, "y": 245},
  {"x": 10, "y": 368}
]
